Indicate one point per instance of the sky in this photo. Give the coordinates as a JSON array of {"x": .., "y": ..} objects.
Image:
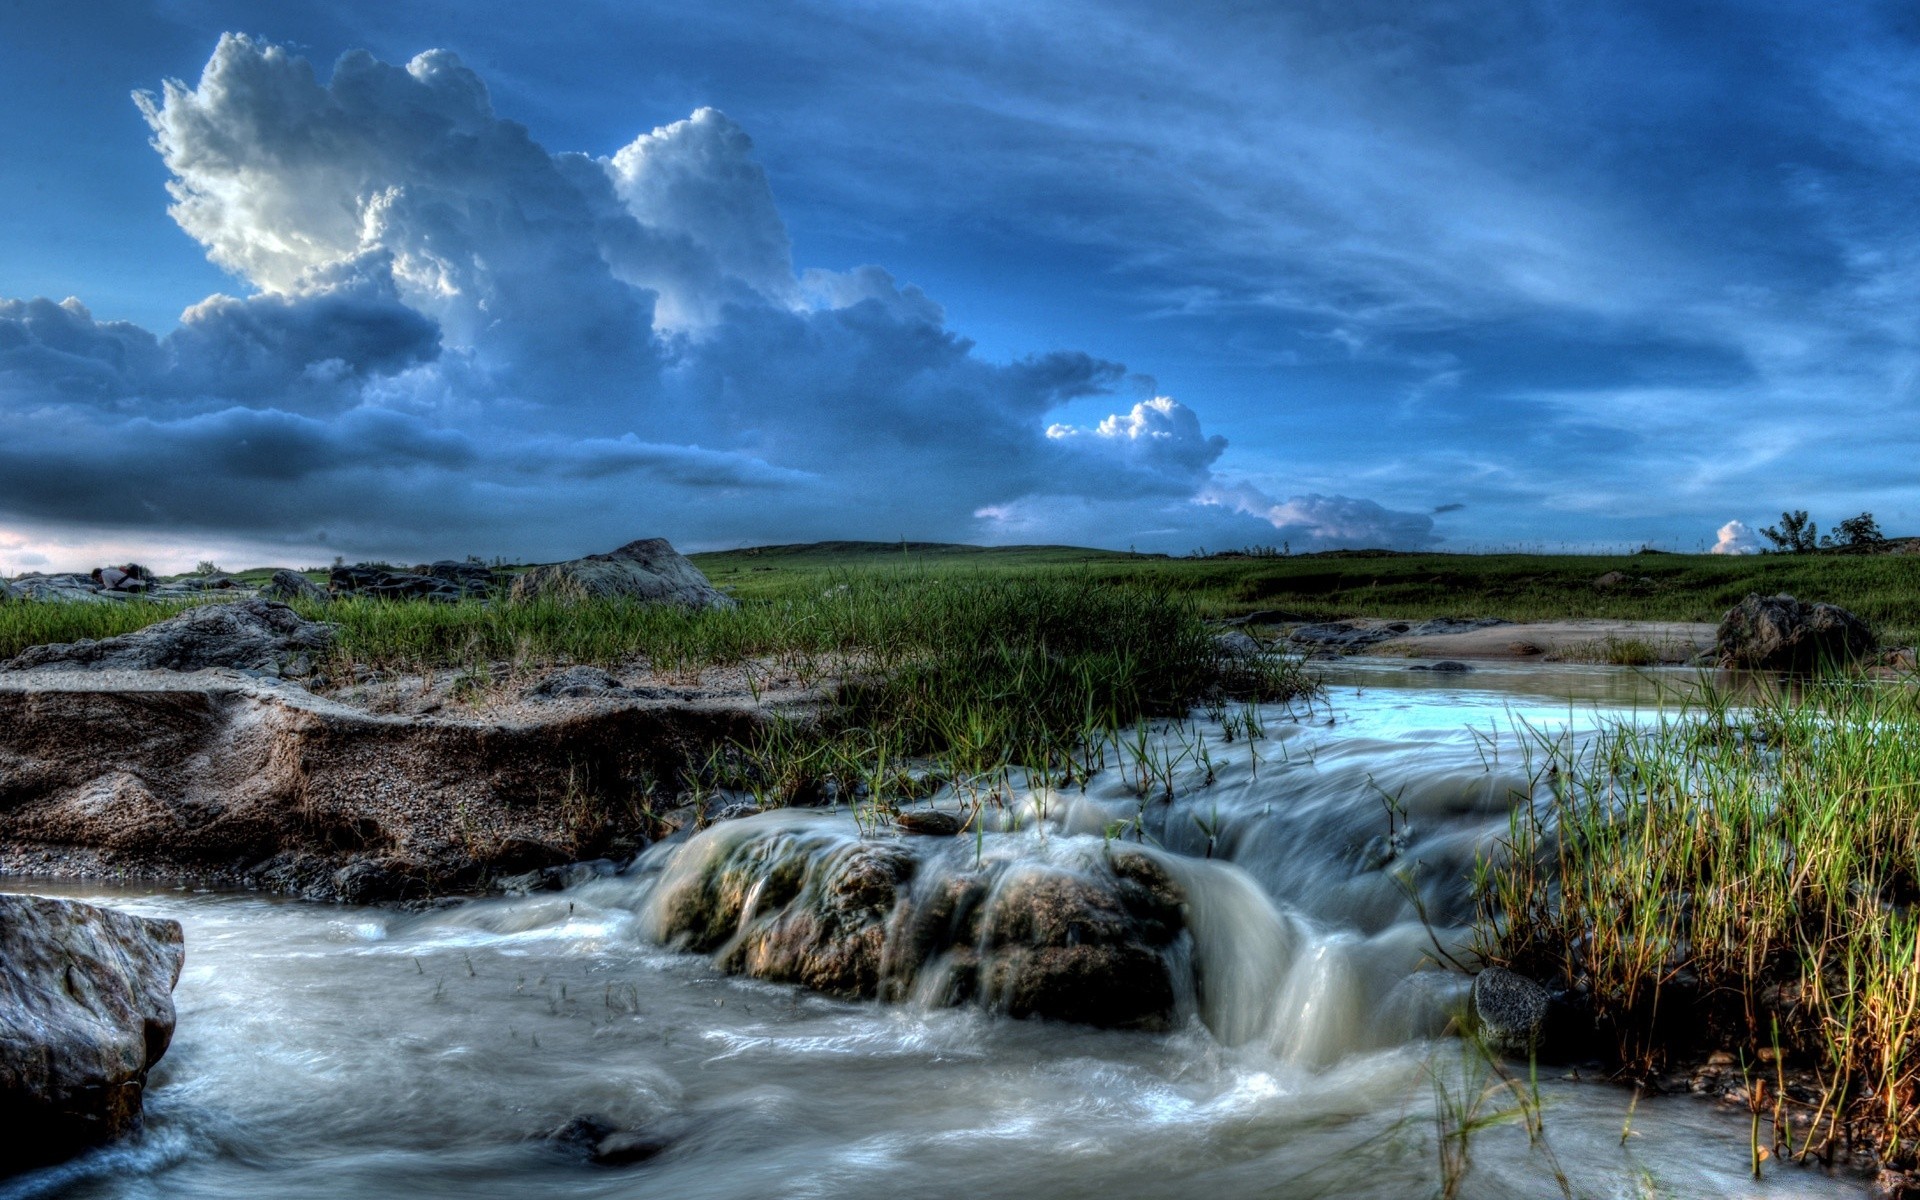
[{"x": 280, "y": 283}]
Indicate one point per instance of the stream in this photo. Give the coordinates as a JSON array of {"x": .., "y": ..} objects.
[{"x": 328, "y": 1051}]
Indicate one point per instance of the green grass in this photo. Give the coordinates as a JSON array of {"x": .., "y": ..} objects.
[
  {"x": 1744, "y": 878},
  {"x": 1884, "y": 589}
]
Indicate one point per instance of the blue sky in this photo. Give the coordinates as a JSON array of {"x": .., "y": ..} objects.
[{"x": 1457, "y": 275}]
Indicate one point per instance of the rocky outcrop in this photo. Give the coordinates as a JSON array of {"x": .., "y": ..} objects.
[
  {"x": 650, "y": 570},
  {"x": 222, "y": 778},
  {"x": 287, "y": 586},
  {"x": 8, "y": 593},
  {"x": 381, "y": 583},
  {"x": 64, "y": 587},
  {"x": 250, "y": 635},
  {"x": 86, "y": 1010},
  {"x": 475, "y": 579},
  {"x": 1081, "y": 932},
  {"x": 1779, "y": 633}
]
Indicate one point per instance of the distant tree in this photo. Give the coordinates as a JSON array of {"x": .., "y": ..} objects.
[
  {"x": 205, "y": 568},
  {"x": 1796, "y": 533},
  {"x": 1862, "y": 530}
]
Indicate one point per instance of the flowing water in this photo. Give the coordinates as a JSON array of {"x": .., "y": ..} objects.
[{"x": 338, "y": 1052}]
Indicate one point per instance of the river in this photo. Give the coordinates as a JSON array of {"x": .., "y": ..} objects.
[{"x": 336, "y": 1052}]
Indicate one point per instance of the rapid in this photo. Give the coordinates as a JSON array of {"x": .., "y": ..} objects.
[{"x": 1325, "y": 854}]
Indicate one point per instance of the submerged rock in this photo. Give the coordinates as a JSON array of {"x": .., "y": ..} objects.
[
  {"x": 605, "y": 1144},
  {"x": 649, "y": 569},
  {"x": 86, "y": 1010},
  {"x": 1080, "y": 932},
  {"x": 1779, "y": 633},
  {"x": 930, "y": 822},
  {"x": 249, "y": 635}
]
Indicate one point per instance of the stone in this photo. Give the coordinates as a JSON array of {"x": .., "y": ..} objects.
[
  {"x": 1346, "y": 637},
  {"x": 928, "y": 823},
  {"x": 1511, "y": 1009},
  {"x": 1266, "y": 616},
  {"x": 383, "y": 584},
  {"x": 9, "y": 593},
  {"x": 86, "y": 1010},
  {"x": 1779, "y": 633},
  {"x": 650, "y": 570},
  {"x": 248, "y": 635},
  {"x": 1238, "y": 644},
  {"x": 475, "y": 579},
  {"x": 605, "y": 1144},
  {"x": 287, "y": 586},
  {"x": 1620, "y": 581},
  {"x": 64, "y": 587},
  {"x": 1440, "y": 626},
  {"x": 576, "y": 683},
  {"x": 1446, "y": 666},
  {"x": 1084, "y": 935}
]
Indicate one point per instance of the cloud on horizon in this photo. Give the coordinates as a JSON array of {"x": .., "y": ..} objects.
[{"x": 458, "y": 341}]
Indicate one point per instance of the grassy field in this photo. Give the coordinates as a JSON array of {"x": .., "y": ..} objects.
[
  {"x": 1746, "y": 878},
  {"x": 1885, "y": 589}
]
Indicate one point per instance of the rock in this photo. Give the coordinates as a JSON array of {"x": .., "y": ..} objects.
[
  {"x": 557, "y": 878},
  {"x": 1237, "y": 644},
  {"x": 1511, "y": 1009},
  {"x": 254, "y": 635},
  {"x": 288, "y": 586},
  {"x": 382, "y": 584},
  {"x": 648, "y": 570},
  {"x": 1779, "y": 633},
  {"x": 928, "y": 823},
  {"x": 86, "y": 1010},
  {"x": 63, "y": 587},
  {"x": 1346, "y": 637},
  {"x": 1525, "y": 648},
  {"x": 574, "y": 683},
  {"x": 1082, "y": 935},
  {"x": 1444, "y": 665},
  {"x": 8, "y": 593},
  {"x": 605, "y": 1144},
  {"x": 1444, "y": 625},
  {"x": 476, "y": 579},
  {"x": 368, "y": 881}
]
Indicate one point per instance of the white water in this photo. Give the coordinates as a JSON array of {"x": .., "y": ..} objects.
[{"x": 337, "y": 1052}]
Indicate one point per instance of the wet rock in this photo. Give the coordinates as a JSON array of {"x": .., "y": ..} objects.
[
  {"x": 248, "y": 635},
  {"x": 1511, "y": 1009},
  {"x": 1445, "y": 665},
  {"x": 649, "y": 569},
  {"x": 1779, "y": 633},
  {"x": 928, "y": 823},
  {"x": 86, "y": 1010},
  {"x": 286, "y": 586},
  {"x": 557, "y": 878},
  {"x": 574, "y": 683},
  {"x": 605, "y": 1144},
  {"x": 1080, "y": 935},
  {"x": 372, "y": 881}
]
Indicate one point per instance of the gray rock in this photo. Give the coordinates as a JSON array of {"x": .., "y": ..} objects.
[
  {"x": 576, "y": 683},
  {"x": 287, "y": 586},
  {"x": 248, "y": 635},
  {"x": 1445, "y": 666},
  {"x": 64, "y": 587},
  {"x": 649, "y": 570},
  {"x": 8, "y": 593},
  {"x": 557, "y": 878},
  {"x": 475, "y": 579},
  {"x": 1511, "y": 1009},
  {"x": 1444, "y": 625},
  {"x": 1346, "y": 637},
  {"x": 1779, "y": 633},
  {"x": 86, "y": 1010},
  {"x": 1266, "y": 616},
  {"x": 382, "y": 584},
  {"x": 1238, "y": 644}
]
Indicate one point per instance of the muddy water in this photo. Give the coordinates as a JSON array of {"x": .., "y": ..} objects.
[{"x": 337, "y": 1052}]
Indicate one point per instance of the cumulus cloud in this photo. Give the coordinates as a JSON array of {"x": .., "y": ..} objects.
[
  {"x": 457, "y": 340},
  {"x": 1736, "y": 538}
]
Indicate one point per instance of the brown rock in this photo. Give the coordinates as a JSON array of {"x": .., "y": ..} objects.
[{"x": 1779, "y": 633}]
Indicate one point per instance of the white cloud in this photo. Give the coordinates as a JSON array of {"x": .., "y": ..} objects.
[
  {"x": 462, "y": 342},
  {"x": 1736, "y": 538}
]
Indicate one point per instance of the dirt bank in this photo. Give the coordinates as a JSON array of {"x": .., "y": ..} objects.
[{"x": 217, "y": 776}]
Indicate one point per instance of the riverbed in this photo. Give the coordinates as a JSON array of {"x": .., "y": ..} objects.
[{"x": 331, "y": 1051}]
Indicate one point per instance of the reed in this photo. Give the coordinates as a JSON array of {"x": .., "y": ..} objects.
[{"x": 1743, "y": 878}]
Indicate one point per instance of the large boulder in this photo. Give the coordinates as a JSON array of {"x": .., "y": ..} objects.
[
  {"x": 63, "y": 587},
  {"x": 8, "y": 593},
  {"x": 86, "y": 1010},
  {"x": 1079, "y": 932},
  {"x": 287, "y": 586},
  {"x": 649, "y": 569},
  {"x": 1779, "y": 633},
  {"x": 473, "y": 578},
  {"x": 383, "y": 584},
  {"x": 249, "y": 635}
]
